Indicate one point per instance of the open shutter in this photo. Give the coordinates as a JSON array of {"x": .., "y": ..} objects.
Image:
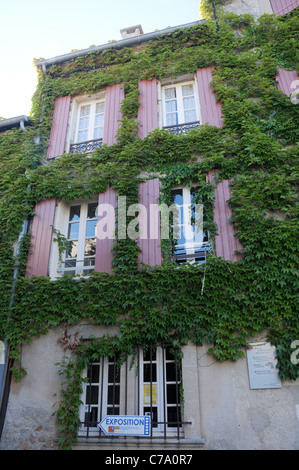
[
  {"x": 59, "y": 127},
  {"x": 105, "y": 231},
  {"x": 149, "y": 241},
  {"x": 286, "y": 79},
  {"x": 41, "y": 238},
  {"x": 114, "y": 96},
  {"x": 281, "y": 7},
  {"x": 210, "y": 109},
  {"x": 148, "y": 109},
  {"x": 225, "y": 242}
]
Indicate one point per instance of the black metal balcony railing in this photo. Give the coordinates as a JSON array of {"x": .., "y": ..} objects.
[
  {"x": 182, "y": 128},
  {"x": 199, "y": 255},
  {"x": 88, "y": 146}
]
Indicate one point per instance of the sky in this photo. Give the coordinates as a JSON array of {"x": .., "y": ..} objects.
[{"x": 34, "y": 29}]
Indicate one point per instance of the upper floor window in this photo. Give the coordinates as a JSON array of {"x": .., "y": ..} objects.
[
  {"x": 81, "y": 237},
  {"x": 87, "y": 124},
  {"x": 180, "y": 107},
  {"x": 191, "y": 240}
]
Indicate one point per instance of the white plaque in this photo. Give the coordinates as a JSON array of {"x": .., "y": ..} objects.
[{"x": 262, "y": 370}]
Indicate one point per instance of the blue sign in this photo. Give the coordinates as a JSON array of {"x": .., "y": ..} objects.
[{"x": 115, "y": 425}]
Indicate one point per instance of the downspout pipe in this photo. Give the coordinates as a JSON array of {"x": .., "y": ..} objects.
[{"x": 129, "y": 42}]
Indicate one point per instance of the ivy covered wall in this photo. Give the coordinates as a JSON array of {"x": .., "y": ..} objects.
[{"x": 221, "y": 303}]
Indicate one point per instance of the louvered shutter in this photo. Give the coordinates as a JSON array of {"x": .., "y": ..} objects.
[
  {"x": 41, "y": 239},
  {"x": 150, "y": 240},
  {"x": 105, "y": 236},
  {"x": 281, "y": 7},
  {"x": 114, "y": 97},
  {"x": 148, "y": 109},
  {"x": 59, "y": 127},
  {"x": 226, "y": 243},
  {"x": 286, "y": 79},
  {"x": 210, "y": 109}
]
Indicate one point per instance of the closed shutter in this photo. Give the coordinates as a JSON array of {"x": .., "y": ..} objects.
[
  {"x": 226, "y": 243},
  {"x": 150, "y": 240},
  {"x": 148, "y": 109},
  {"x": 281, "y": 7},
  {"x": 41, "y": 238},
  {"x": 114, "y": 97},
  {"x": 105, "y": 231},
  {"x": 210, "y": 109},
  {"x": 286, "y": 79},
  {"x": 59, "y": 127}
]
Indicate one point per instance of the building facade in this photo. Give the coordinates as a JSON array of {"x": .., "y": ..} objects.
[{"x": 149, "y": 287}]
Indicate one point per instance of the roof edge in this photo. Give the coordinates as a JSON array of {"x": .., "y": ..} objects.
[{"x": 141, "y": 39}]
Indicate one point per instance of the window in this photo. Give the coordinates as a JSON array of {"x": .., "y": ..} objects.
[
  {"x": 101, "y": 395},
  {"x": 154, "y": 389},
  {"x": 180, "y": 107},
  {"x": 160, "y": 383},
  {"x": 81, "y": 237},
  {"x": 188, "y": 229},
  {"x": 89, "y": 126}
]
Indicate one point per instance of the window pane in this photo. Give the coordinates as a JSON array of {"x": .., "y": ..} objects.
[
  {"x": 189, "y": 103},
  {"x": 177, "y": 196},
  {"x": 190, "y": 115},
  {"x": 172, "y": 391},
  {"x": 149, "y": 372},
  {"x": 92, "y": 210},
  {"x": 73, "y": 230},
  {"x": 113, "y": 394},
  {"x": 170, "y": 93},
  {"x": 93, "y": 373},
  {"x": 171, "y": 106},
  {"x": 187, "y": 90},
  {"x": 91, "y": 228},
  {"x": 90, "y": 247},
  {"x": 73, "y": 251},
  {"x": 74, "y": 213},
  {"x": 99, "y": 120},
  {"x": 82, "y": 136},
  {"x": 147, "y": 354},
  {"x": 170, "y": 372},
  {"x": 172, "y": 119},
  {"x": 85, "y": 110},
  {"x": 91, "y": 417},
  {"x": 92, "y": 395},
  {"x": 173, "y": 414},
  {"x": 83, "y": 123},
  {"x": 100, "y": 107}
]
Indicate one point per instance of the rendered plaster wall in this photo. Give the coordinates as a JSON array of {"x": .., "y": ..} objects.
[
  {"x": 222, "y": 412},
  {"x": 255, "y": 8}
]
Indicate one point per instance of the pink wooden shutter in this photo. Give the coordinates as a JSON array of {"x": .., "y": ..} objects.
[
  {"x": 41, "y": 238},
  {"x": 59, "y": 127},
  {"x": 150, "y": 246},
  {"x": 209, "y": 107},
  {"x": 148, "y": 109},
  {"x": 104, "y": 256},
  {"x": 281, "y": 7},
  {"x": 114, "y": 97},
  {"x": 225, "y": 242},
  {"x": 285, "y": 79}
]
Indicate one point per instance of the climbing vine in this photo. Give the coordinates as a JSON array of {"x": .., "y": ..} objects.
[{"x": 223, "y": 303}]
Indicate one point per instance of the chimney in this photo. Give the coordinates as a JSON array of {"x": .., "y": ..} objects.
[{"x": 131, "y": 31}]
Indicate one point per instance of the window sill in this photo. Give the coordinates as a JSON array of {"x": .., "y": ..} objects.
[{"x": 130, "y": 443}]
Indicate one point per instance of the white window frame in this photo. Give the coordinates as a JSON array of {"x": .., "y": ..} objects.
[
  {"x": 154, "y": 395},
  {"x": 103, "y": 406},
  {"x": 186, "y": 227},
  {"x": 74, "y": 115},
  {"x": 80, "y": 259},
  {"x": 178, "y": 84}
]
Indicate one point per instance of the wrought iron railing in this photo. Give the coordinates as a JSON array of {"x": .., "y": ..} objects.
[
  {"x": 199, "y": 254},
  {"x": 182, "y": 128},
  {"x": 88, "y": 146}
]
